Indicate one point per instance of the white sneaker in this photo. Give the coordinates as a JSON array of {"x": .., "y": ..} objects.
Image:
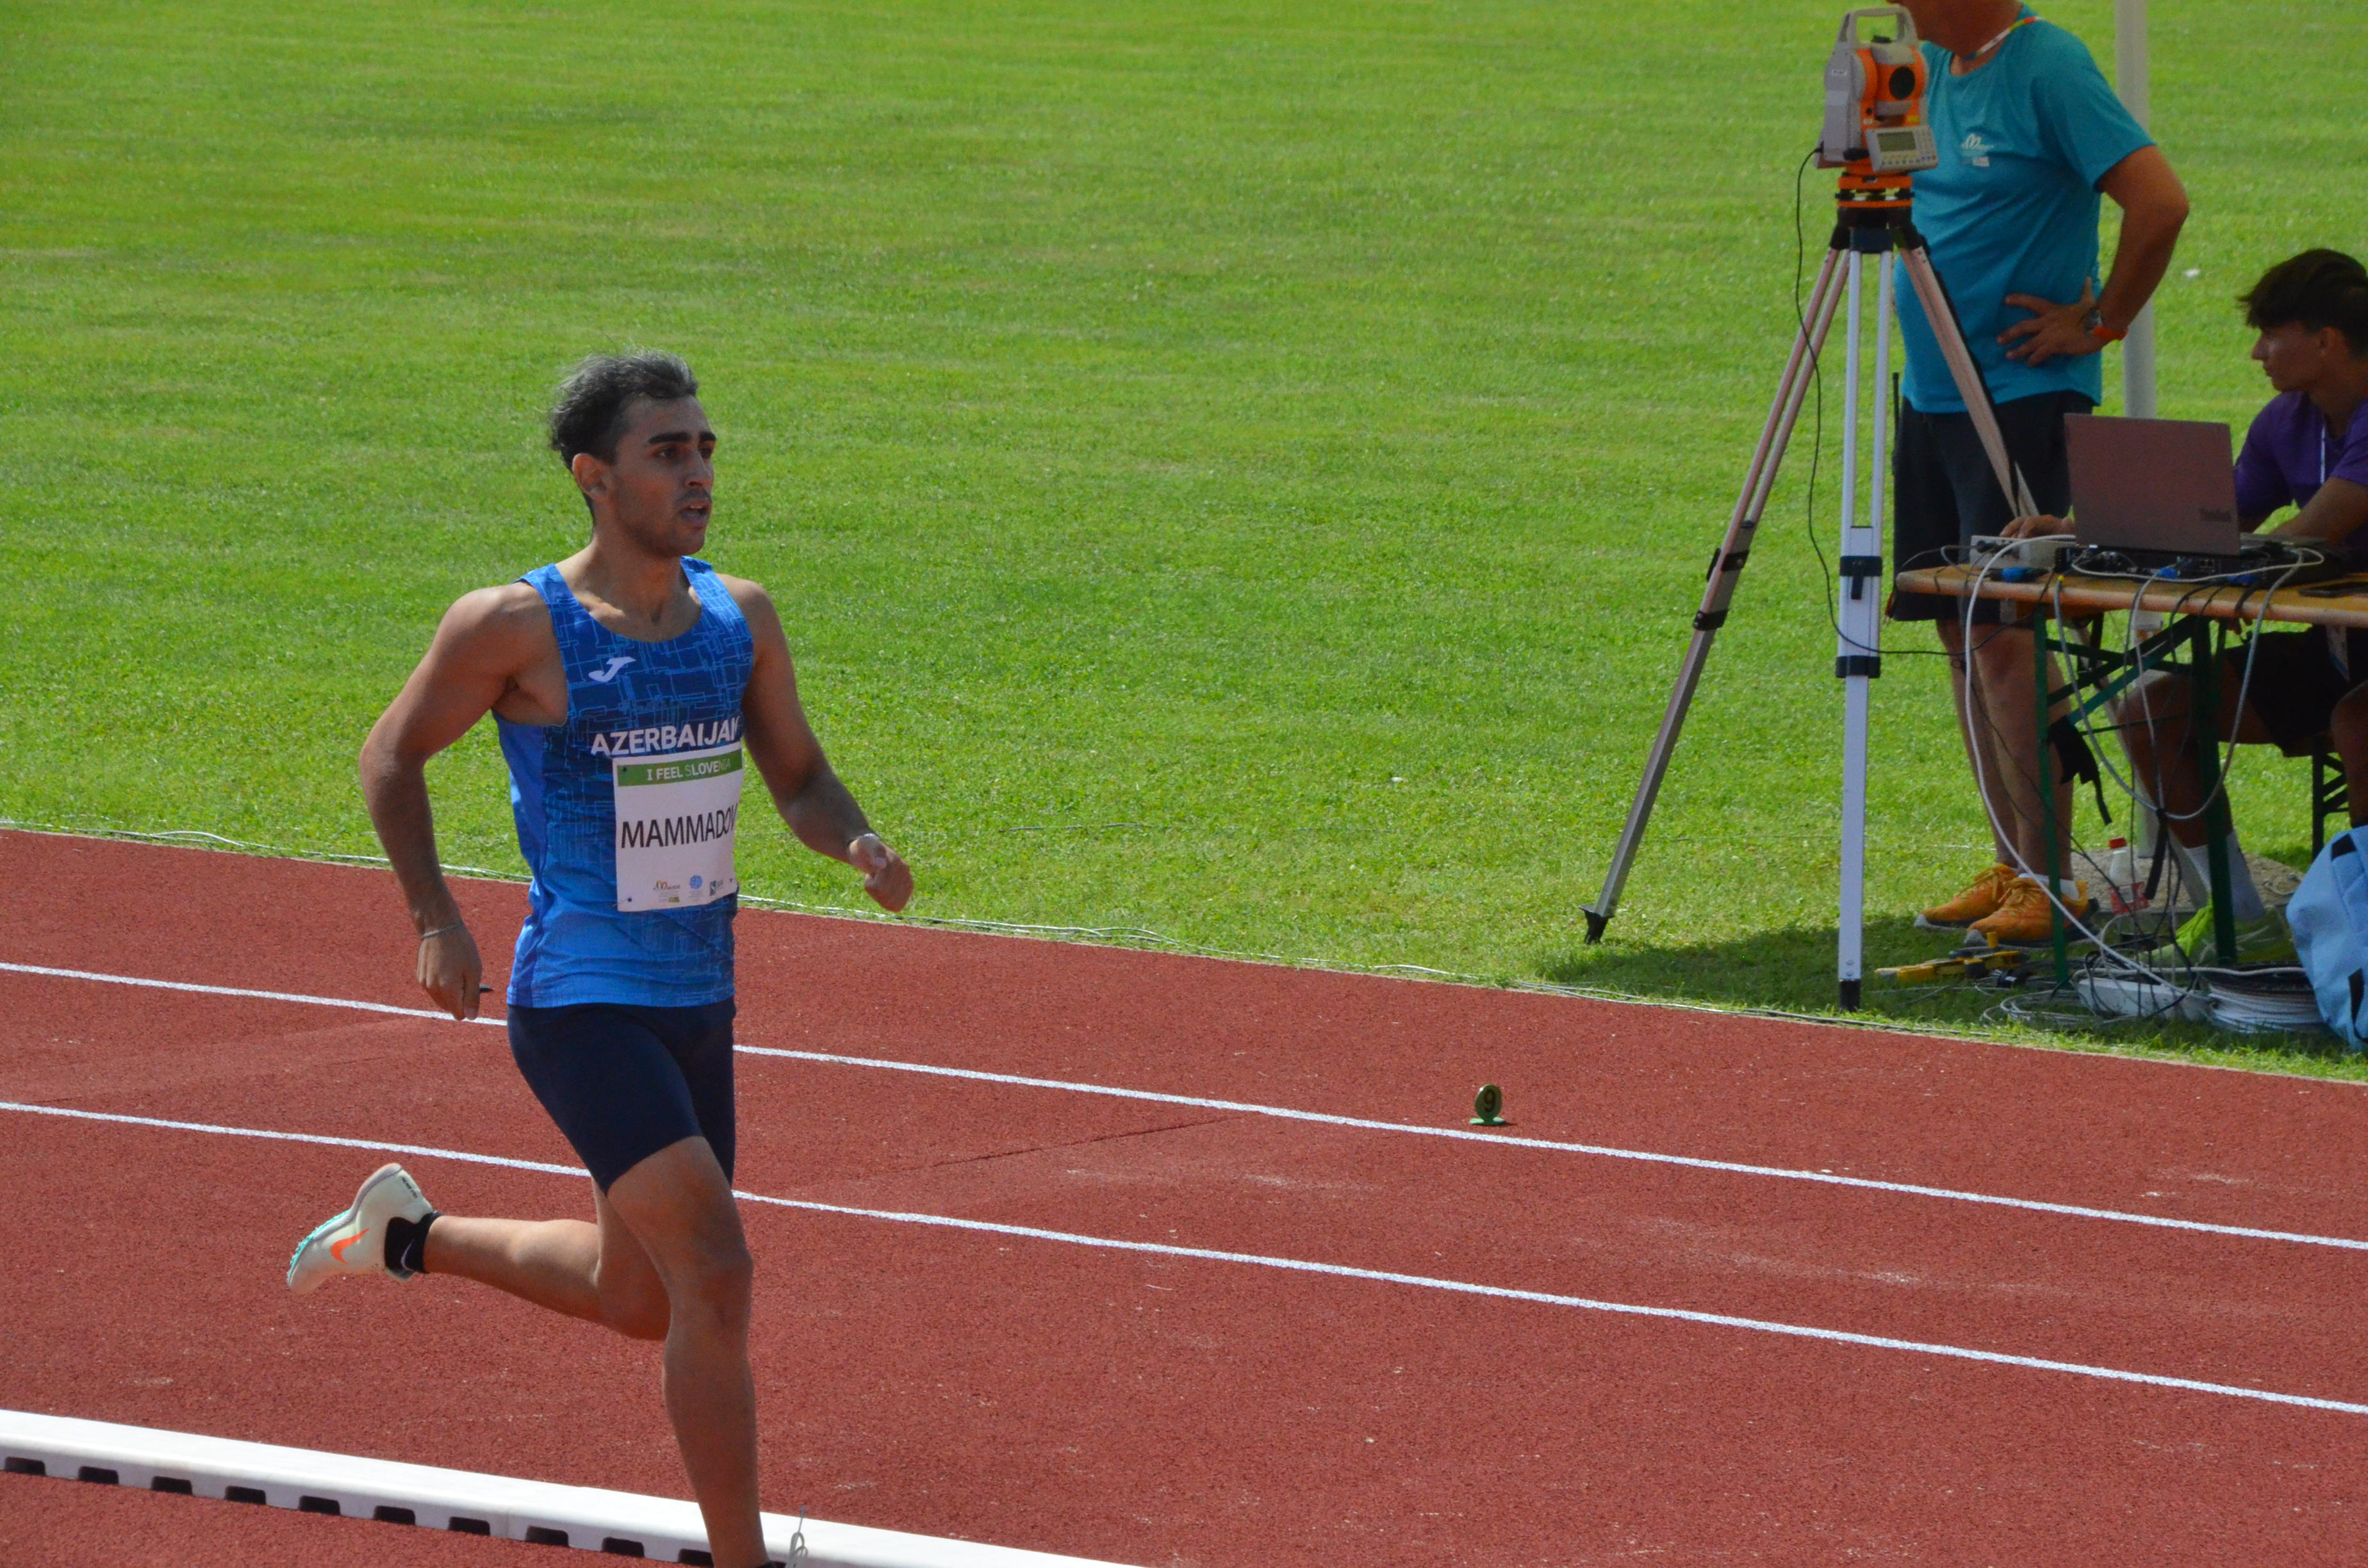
[{"x": 355, "y": 1241}]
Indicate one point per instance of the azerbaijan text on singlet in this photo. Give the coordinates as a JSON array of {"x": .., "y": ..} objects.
[{"x": 626, "y": 812}]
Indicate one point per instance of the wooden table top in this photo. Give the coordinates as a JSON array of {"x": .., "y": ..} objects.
[{"x": 2083, "y": 596}]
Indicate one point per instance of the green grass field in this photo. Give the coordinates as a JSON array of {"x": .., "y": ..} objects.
[{"x": 1239, "y": 472}]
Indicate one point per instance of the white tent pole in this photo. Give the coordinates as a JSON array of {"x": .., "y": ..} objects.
[{"x": 2130, "y": 74}]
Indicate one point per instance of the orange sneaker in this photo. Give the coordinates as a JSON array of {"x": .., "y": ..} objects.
[
  {"x": 1981, "y": 899},
  {"x": 2024, "y": 915}
]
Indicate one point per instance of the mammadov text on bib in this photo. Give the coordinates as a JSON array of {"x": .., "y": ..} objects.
[{"x": 675, "y": 817}]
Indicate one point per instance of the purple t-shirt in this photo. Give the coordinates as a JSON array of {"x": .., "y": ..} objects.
[{"x": 2290, "y": 452}]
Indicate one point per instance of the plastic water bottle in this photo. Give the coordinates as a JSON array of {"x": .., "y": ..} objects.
[{"x": 2121, "y": 872}]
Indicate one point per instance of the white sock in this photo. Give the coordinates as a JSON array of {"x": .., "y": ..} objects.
[
  {"x": 2194, "y": 878},
  {"x": 2244, "y": 898}
]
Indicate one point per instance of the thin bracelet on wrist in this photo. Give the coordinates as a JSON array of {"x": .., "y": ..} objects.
[{"x": 456, "y": 926}]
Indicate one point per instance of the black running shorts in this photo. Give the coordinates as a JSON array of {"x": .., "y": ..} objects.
[
  {"x": 625, "y": 1082},
  {"x": 1943, "y": 491}
]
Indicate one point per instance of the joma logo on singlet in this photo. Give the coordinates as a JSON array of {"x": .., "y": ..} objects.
[
  {"x": 665, "y": 737},
  {"x": 660, "y": 832}
]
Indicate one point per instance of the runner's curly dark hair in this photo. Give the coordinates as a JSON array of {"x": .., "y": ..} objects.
[
  {"x": 590, "y": 413},
  {"x": 2319, "y": 289}
]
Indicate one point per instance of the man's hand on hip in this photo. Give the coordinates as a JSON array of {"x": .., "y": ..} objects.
[
  {"x": 885, "y": 876},
  {"x": 450, "y": 970},
  {"x": 2054, "y": 331}
]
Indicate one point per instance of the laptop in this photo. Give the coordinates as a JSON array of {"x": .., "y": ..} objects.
[{"x": 2154, "y": 490}]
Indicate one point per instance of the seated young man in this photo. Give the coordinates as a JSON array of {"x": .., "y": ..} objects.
[{"x": 2308, "y": 449}]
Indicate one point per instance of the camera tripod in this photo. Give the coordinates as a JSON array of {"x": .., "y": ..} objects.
[{"x": 1863, "y": 228}]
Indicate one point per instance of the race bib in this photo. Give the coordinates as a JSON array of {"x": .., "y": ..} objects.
[{"x": 676, "y": 815}]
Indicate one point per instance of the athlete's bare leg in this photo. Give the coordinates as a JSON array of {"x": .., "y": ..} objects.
[
  {"x": 665, "y": 1261},
  {"x": 596, "y": 1272}
]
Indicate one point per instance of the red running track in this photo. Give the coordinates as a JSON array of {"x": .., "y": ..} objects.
[{"x": 1162, "y": 1411}]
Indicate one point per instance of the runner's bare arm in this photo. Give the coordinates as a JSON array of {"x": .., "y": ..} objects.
[
  {"x": 494, "y": 649},
  {"x": 809, "y": 796}
]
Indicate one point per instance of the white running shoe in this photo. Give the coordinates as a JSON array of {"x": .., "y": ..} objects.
[{"x": 355, "y": 1241}]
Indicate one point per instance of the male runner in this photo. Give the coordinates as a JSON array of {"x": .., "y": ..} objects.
[{"x": 626, "y": 680}]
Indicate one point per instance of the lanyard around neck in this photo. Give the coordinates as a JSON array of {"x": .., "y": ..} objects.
[{"x": 2018, "y": 21}]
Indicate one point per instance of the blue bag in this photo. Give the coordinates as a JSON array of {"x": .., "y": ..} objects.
[{"x": 2329, "y": 917}]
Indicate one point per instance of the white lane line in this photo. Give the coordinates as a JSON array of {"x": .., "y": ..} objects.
[
  {"x": 373, "y": 1144},
  {"x": 1284, "y": 1113},
  {"x": 231, "y": 991},
  {"x": 1261, "y": 1260},
  {"x": 1601, "y": 1151}
]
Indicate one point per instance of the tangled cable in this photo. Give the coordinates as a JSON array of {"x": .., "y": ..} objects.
[{"x": 2144, "y": 990}]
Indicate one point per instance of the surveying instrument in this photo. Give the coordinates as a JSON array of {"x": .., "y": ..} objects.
[{"x": 1875, "y": 133}]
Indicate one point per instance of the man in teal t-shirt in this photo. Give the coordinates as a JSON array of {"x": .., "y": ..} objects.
[{"x": 2029, "y": 133}]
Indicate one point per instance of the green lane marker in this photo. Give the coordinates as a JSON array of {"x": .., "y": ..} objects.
[{"x": 1487, "y": 1107}]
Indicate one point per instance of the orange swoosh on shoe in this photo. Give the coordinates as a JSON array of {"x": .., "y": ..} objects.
[{"x": 337, "y": 1249}]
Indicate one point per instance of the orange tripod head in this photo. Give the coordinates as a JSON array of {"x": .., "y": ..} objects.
[{"x": 1875, "y": 130}]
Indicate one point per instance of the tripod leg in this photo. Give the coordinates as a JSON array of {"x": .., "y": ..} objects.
[
  {"x": 1943, "y": 317},
  {"x": 1858, "y": 656},
  {"x": 1726, "y": 567}
]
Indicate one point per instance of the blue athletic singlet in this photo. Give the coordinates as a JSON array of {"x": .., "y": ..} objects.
[{"x": 626, "y": 811}]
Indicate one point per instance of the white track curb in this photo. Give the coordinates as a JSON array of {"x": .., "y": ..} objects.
[{"x": 624, "y": 1523}]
